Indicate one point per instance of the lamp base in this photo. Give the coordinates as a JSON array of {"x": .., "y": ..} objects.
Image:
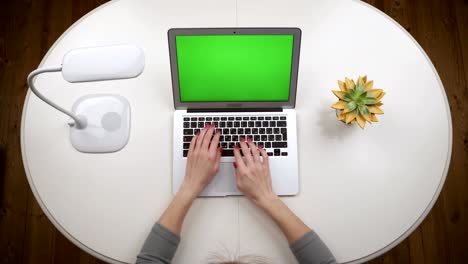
[{"x": 108, "y": 123}]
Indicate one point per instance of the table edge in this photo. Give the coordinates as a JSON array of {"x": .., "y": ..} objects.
[{"x": 359, "y": 260}]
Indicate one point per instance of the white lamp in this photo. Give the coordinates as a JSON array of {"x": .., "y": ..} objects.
[{"x": 101, "y": 122}]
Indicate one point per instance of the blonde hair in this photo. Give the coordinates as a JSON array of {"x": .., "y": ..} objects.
[{"x": 227, "y": 257}]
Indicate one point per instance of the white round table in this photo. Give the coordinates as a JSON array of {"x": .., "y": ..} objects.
[{"x": 363, "y": 191}]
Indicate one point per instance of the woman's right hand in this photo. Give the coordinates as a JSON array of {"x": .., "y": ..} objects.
[{"x": 253, "y": 176}]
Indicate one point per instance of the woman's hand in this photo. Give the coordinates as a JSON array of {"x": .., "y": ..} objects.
[
  {"x": 202, "y": 160},
  {"x": 252, "y": 174}
]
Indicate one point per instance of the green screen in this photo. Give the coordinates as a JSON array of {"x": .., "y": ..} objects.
[{"x": 234, "y": 68}]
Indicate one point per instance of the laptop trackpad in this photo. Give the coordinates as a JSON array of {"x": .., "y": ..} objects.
[{"x": 225, "y": 180}]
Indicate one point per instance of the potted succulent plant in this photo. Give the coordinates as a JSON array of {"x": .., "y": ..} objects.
[{"x": 358, "y": 102}]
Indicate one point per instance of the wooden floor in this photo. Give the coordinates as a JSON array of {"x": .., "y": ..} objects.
[{"x": 27, "y": 30}]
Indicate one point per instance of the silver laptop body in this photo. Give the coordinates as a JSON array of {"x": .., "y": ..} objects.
[{"x": 271, "y": 123}]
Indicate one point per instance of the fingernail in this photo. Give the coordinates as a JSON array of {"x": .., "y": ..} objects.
[
  {"x": 236, "y": 146},
  {"x": 242, "y": 139},
  {"x": 221, "y": 149},
  {"x": 249, "y": 139},
  {"x": 234, "y": 164}
]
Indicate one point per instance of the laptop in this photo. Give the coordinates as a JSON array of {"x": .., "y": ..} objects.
[{"x": 242, "y": 80}]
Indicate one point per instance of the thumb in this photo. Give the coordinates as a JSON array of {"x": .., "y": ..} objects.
[{"x": 218, "y": 158}]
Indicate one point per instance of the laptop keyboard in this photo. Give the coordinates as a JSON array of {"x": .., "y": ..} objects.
[{"x": 269, "y": 131}]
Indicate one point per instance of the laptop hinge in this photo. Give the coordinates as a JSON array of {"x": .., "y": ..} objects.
[{"x": 211, "y": 110}]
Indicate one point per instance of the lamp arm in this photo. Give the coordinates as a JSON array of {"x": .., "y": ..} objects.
[{"x": 78, "y": 121}]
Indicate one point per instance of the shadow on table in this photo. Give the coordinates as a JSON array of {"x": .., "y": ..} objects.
[{"x": 330, "y": 127}]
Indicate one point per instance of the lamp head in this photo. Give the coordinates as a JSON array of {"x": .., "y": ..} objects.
[{"x": 103, "y": 63}]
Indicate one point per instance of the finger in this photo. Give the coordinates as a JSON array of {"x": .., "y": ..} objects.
[
  {"x": 218, "y": 158},
  {"x": 239, "y": 160},
  {"x": 192, "y": 145},
  {"x": 266, "y": 159},
  {"x": 214, "y": 143},
  {"x": 201, "y": 135},
  {"x": 207, "y": 138},
  {"x": 254, "y": 150},
  {"x": 246, "y": 151}
]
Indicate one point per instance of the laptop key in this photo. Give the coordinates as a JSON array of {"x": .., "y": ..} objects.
[
  {"x": 283, "y": 130},
  {"x": 209, "y": 119},
  {"x": 196, "y": 130},
  {"x": 238, "y": 118},
  {"x": 229, "y": 124},
  {"x": 201, "y": 119},
  {"x": 227, "y": 138},
  {"x": 285, "y": 136},
  {"x": 224, "y": 144},
  {"x": 261, "y": 118},
  {"x": 248, "y": 131},
  {"x": 271, "y": 137},
  {"x": 245, "y": 118},
  {"x": 258, "y": 123},
  {"x": 231, "y": 118},
  {"x": 221, "y": 138},
  {"x": 188, "y": 138},
  {"x": 240, "y": 131},
  {"x": 243, "y": 124},
  {"x": 223, "y": 118},
  {"x": 255, "y": 131},
  {"x": 193, "y": 119},
  {"x": 216, "y": 118},
  {"x": 270, "y": 153},
  {"x": 281, "y": 144},
  {"x": 251, "y": 123},
  {"x": 186, "y": 124},
  {"x": 185, "y": 152},
  {"x": 233, "y": 131},
  {"x": 256, "y": 138},
  {"x": 277, "y": 152},
  {"x": 269, "y": 130},
  {"x": 261, "y": 130},
  {"x": 267, "y": 144},
  {"x": 201, "y": 124},
  {"x": 268, "y": 118},
  {"x": 272, "y": 123},
  {"x": 276, "y": 130},
  {"x": 231, "y": 145},
  {"x": 275, "y": 118},
  {"x": 222, "y": 124},
  {"x": 265, "y": 123},
  {"x": 282, "y": 118},
  {"x": 278, "y": 137},
  {"x": 226, "y": 131},
  {"x": 186, "y": 145},
  {"x": 284, "y": 153},
  {"x": 281, "y": 123},
  {"x": 235, "y": 138},
  {"x": 186, "y": 119},
  {"x": 227, "y": 153},
  {"x": 188, "y": 131},
  {"x": 253, "y": 118},
  {"x": 236, "y": 124},
  {"x": 264, "y": 137}
]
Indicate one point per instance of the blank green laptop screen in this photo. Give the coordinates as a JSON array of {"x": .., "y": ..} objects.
[{"x": 234, "y": 68}]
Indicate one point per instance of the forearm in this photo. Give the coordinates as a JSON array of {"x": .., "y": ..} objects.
[
  {"x": 174, "y": 215},
  {"x": 291, "y": 226}
]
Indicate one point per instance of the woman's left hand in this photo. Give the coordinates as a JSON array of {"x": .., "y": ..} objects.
[{"x": 202, "y": 160}]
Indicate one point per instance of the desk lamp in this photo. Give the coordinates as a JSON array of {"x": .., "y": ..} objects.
[{"x": 100, "y": 123}]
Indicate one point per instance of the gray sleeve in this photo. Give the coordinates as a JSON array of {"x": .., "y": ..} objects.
[
  {"x": 310, "y": 249},
  {"x": 160, "y": 246}
]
